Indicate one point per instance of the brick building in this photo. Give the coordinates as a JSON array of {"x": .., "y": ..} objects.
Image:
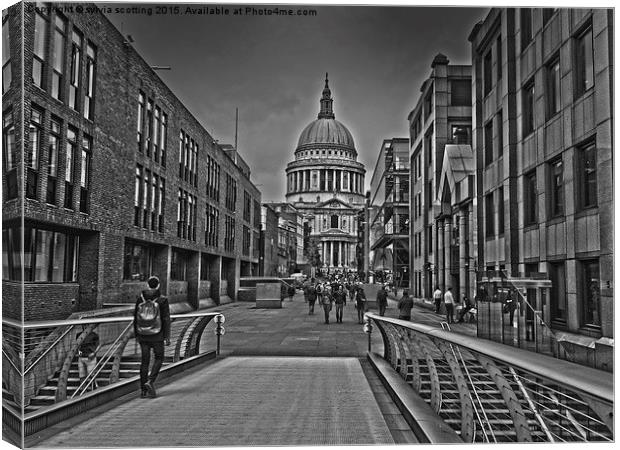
[
  {"x": 113, "y": 177},
  {"x": 389, "y": 211},
  {"x": 440, "y": 138},
  {"x": 542, "y": 135}
]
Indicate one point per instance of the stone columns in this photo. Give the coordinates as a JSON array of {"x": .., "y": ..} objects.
[
  {"x": 446, "y": 247},
  {"x": 439, "y": 268}
]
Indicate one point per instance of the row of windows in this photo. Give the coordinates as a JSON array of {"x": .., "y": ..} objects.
[
  {"x": 212, "y": 226},
  {"x": 417, "y": 244},
  {"x": 247, "y": 241},
  {"x": 585, "y": 191},
  {"x": 493, "y": 139},
  {"x": 153, "y": 139},
  {"x": 77, "y": 160},
  {"x": 417, "y": 205},
  {"x": 326, "y": 152},
  {"x": 53, "y": 78},
  {"x": 247, "y": 206},
  {"x": 188, "y": 159},
  {"x": 527, "y": 24},
  {"x": 149, "y": 201},
  {"x": 7, "y": 76}
]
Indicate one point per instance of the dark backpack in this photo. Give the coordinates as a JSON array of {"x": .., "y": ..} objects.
[{"x": 148, "y": 317}]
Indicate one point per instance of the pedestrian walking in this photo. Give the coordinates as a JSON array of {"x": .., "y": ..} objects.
[
  {"x": 360, "y": 303},
  {"x": 291, "y": 292},
  {"x": 152, "y": 330},
  {"x": 340, "y": 299},
  {"x": 326, "y": 301},
  {"x": 87, "y": 357},
  {"x": 311, "y": 293},
  {"x": 437, "y": 299},
  {"x": 448, "y": 300},
  {"x": 404, "y": 306},
  {"x": 382, "y": 300},
  {"x": 510, "y": 307}
]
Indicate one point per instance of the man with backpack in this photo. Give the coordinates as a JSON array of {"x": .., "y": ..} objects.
[{"x": 152, "y": 329}]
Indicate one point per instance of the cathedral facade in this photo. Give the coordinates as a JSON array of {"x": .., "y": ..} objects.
[{"x": 325, "y": 182}]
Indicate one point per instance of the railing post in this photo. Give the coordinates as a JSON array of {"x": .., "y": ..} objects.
[{"x": 219, "y": 331}]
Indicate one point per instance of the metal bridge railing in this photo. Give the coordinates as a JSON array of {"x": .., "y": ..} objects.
[
  {"x": 40, "y": 365},
  {"x": 490, "y": 392}
]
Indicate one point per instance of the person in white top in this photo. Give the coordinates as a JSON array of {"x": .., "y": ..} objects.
[
  {"x": 448, "y": 299},
  {"x": 437, "y": 298}
]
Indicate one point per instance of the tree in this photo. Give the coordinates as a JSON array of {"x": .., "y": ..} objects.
[{"x": 311, "y": 251}]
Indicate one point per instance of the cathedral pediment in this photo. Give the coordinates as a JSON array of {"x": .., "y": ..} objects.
[{"x": 333, "y": 203}]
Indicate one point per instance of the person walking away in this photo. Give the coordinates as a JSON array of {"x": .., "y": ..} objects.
[
  {"x": 326, "y": 301},
  {"x": 448, "y": 300},
  {"x": 382, "y": 300},
  {"x": 437, "y": 299},
  {"x": 510, "y": 307},
  {"x": 311, "y": 292},
  {"x": 404, "y": 306},
  {"x": 87, "y": 357},
  {"x": 152, "y": 330},
  {"x": 360, "y": 303},
  {"x": 291, "y": 292},
  {"x": 340, "y": 299}
]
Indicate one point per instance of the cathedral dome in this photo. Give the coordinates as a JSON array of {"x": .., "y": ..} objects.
[{"x": 326, "y": 131}]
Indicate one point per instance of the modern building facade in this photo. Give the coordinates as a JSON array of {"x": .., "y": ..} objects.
[
  {"x": 108, "y": 178},
  {"x": 290, "y": 248},
  {"x": 389, "y": 212},
  {"x": 542, "y": 136},
  {"x": 325, "y": 183},
  {"x": 441, "y": 236},
  {"x": 268, "y": 255}
]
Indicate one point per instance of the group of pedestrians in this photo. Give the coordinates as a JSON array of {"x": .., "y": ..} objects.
[
  {"x": 449, "y": 302},
  {"x": 334, "y": 293}
]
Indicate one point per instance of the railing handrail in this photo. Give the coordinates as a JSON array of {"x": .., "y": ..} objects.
[
  {"x": 57, "y": 323},
  {"x": 591, "y": 382}
]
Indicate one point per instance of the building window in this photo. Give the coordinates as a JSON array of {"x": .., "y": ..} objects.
[
  {"x": 34, "y": 152},
  {"x": 186, "y": 215},
  {"x": 52, "y": 162},
  {"x": 590, "y": 290},
  {"x": 8, "y": 147},
  {"x": 500, "y": 133},
  {"x": 213, "y": 178},
  {"x": 140, "y": 132},
  {"x": 334, "y": 221},
  {"x": 247, "y": 206},
  {"x": 229, "y": 234},
  {"x": 161, "y": 203},
  {"x": 584, "y": 63},
  {"x": 530, "y": 199},
  {"x": 70, "y": 166},
  {"x": 156, "y": 129},
  {"x": 212, "y": 226},
  {"x": 149, "y": 127},
  {"x": 428, "y": 104},
  {"x": 89, "y": 95},
  {"x": 138, "y": 264},
  {"x": 58, "y": 58},
  {"x": 231, "y": 192},
  {"x": 556, "y": 188},
  {"x": 558, "y": 297},
  {"x": 49, "y": 256},
  {"x": 489, "y": 215},
  {"x": 139, "y": 193},
  {"x": 178, "y": 266},
  {"x": 257, "y": 212},
  {"x": 488, "y": 143},
  {"x": 76, "y": 68},
  {"x": 460, "y": 93},
  {"x": 553, "y": 88},
  {"x": 500, "y": 211},
  {"x": 498, "y": 61},
  {"x": 586, "y": 177},
  {"x": 488, "y": 72},
  {"x": 6, "y": 54},
  {"x": 461, "y": 134},
  {"x": 528, "y": 108},
  {"x": 526, "y": 27},
  {"x": 247, "y": 241},
  {"x": 163, "y": 136},
  {"x": 38, "y": 51},
  {"x": 87, "y": 145}
]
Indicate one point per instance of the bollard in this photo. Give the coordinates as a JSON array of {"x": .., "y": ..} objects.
[
  {"x": 219, "y": 331},
  {"x": 368, "y": 329}
]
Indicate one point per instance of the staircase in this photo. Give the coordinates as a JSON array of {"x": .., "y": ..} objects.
[
  {"x": 129, "y": 367},
  {"x": 493, "y": 421}
]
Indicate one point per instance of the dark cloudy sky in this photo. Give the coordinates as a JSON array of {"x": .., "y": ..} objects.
[{"x": 273, "y": 68}]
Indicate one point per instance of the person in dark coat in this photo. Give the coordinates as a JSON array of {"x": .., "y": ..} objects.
[
  {"x": 340, "y": 299},
  {"x": 311, "y": 296},
  {"x": 360, "y": 303},
  {"x": 404, "y": 306},
  {"x": 382, "y": 300},
  {"x": 326, "y": 300},
  {"x": 151, "y": 341},
  {"x": 291, "y": 292}
]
